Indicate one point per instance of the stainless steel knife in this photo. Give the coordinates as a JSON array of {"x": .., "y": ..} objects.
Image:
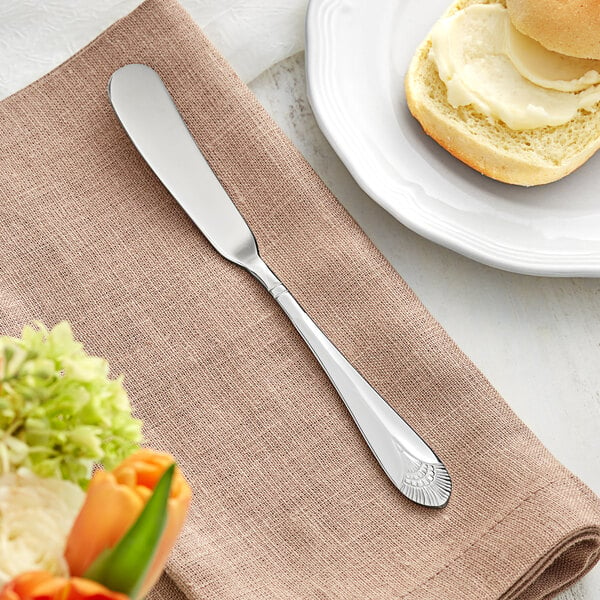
[{"x": 152, "y": 121}]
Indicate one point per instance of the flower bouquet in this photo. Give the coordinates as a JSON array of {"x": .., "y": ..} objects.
[{"x": 84, "y": 512}]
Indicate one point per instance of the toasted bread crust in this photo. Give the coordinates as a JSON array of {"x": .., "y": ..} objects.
[{"x": 571, "y": 27}]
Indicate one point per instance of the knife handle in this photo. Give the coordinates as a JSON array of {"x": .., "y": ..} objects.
[{"x": 404, "y": 456}]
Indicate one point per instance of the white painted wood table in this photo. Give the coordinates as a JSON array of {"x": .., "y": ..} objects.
[{"x": 536, "y": 339}]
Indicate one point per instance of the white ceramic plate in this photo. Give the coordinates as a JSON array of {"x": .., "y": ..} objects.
[{"x": 357, "y": 54}]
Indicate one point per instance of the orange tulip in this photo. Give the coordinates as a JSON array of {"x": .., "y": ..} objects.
[
  {"x": 114, "y": 501},
  {"x": 41, "y": 585}
]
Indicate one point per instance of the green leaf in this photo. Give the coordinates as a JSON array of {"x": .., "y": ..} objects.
[{"x": 123, "y": 568}]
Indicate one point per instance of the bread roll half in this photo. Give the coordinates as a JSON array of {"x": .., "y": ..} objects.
[
  {"x": 523, "y": 157},
  {"x": 571, "y": 27}
]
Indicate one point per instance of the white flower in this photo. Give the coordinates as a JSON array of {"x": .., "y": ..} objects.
[{"x": 36, "y": 515}]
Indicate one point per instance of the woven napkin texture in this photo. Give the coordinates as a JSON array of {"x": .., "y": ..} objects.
[{"x": 289, "y": 502}]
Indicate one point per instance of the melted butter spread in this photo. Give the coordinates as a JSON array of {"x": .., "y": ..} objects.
[{"x": 485, "y": 62}]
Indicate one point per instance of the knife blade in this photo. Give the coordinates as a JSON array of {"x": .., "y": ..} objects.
[{"x": 150, "y": 117}]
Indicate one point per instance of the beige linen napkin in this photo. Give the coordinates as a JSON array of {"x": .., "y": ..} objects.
[{"x": 289, "y": 502}]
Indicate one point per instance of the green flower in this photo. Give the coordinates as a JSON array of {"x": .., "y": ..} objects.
[{"x": 59, "y": 412}]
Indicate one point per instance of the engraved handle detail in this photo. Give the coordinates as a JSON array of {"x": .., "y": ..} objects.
[{"x": 406, "y": 459}]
